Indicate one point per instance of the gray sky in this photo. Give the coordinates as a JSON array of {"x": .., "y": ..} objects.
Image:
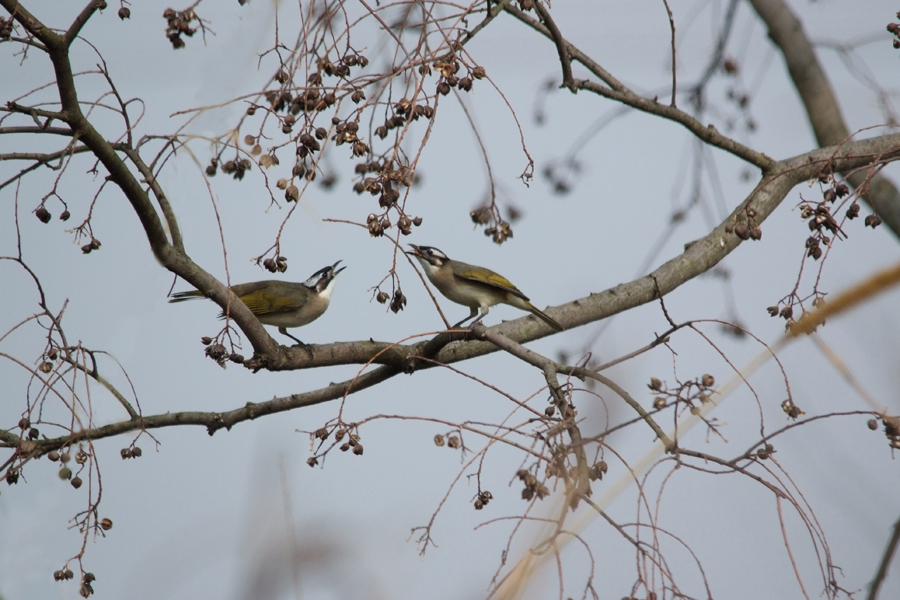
[{"x": 216, "y": 517}]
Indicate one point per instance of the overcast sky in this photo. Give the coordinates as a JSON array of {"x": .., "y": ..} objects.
[{"x": 221, "y": 517}]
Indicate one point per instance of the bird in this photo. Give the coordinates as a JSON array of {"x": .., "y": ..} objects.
[
  {"x": 282, "y": 304},
  {"x": 472, "y": 286}
]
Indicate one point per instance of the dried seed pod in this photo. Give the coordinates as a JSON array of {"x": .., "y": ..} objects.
[
  {"x": 381, "y": 297},
  {"x": 443, "y": 88},
  {"x": 438, "y": 440},
  {"x": 358, "y": 449},
  {"x": 655, "y": 384},
  {"x": 872, "y": 221},
  {"x": 53, "y": 456},
  {"x": 404, "y": 225},
  {"x": 773, "y": 311},
  {"x": 64, "y": 215},
  {"x": 872, "y": 424},
  {"x": 357, "y": 96},
  {"x": 76, "y": 482},
  {"x": 125, "y": 453},
  {"x": 136, "y": 452},
  {"x": 106, "y": 524},
  {"x": 12, "y": 476},
  {"x": 708, "y": 380},
  {"x": 360, "y": 149},
  {"x": 453, "y": 442},
  {"x": 481, "y": 215},
  {"x": 373, "y": 224},
  {"x": 65, "y": 473},
  {"x": 479, "y": 72},
  {"x": 312, "y": 461},
  {"x": 42, "y": 214},
  {"x": 398, "y": 301},
  {"x": 659, "y": 403}
]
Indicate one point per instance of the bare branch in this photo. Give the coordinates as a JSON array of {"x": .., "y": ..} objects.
[{"x": 820, "y": 102}]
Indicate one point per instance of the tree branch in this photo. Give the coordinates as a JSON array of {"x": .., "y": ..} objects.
[
  {"x": 820, "y": 102},
  {"x": 81, "y": 20},
  {"x": 699, "y": 257},
  {"x": 615, "y": 90}
]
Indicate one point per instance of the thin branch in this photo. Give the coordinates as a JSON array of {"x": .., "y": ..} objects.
[
  {"x": 885, "y": 563},
  {"x": 565, "y": 61},
  {"x": 615, "y": 90}
]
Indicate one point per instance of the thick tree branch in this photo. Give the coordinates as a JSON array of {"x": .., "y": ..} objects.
[
  {"x": 820, "y": 102},
  {"x": 701, "y": 256}
]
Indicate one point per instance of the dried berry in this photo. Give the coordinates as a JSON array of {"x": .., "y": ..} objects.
[
  {"x": 398, "y": 301},
  {"x": 873, "y": 221},
  {"x": 42, "y": 214}
]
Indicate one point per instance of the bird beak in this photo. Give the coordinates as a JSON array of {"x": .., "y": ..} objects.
[
  {"x": 415, "y": 250},
  {"x": 335, "y": 271}
]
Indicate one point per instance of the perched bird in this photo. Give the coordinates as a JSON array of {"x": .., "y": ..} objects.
[
  {"x": 475, "y": 287},
  {"x": 282, "y": 304}
]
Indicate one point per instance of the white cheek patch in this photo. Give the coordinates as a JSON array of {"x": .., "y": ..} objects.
[{"x": 326, "y": 293}]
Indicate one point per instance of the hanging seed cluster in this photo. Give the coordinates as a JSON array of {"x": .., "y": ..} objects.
[
  {"x": 893, "y": 28},
  {"x": 483, "y": 215},
  {"x": 177, "y": 24},
  {"x": 891, "y": 429},
  {"x": 692, "y": 394},
  {"x": 748, "y": 228}
]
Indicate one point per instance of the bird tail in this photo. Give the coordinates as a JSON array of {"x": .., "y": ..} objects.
[
  {"x": 544, "y": 317},
  {"x": 182, "y": 296}
]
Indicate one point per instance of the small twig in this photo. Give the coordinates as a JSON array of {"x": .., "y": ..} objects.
[{"x": 674, "y": 72}]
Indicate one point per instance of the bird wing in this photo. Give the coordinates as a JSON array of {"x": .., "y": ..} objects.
[
  {"x": 488, "y": 277},
  {"x": 271, "y": 297}
]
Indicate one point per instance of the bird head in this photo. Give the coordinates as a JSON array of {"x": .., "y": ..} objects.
[
  {"x": 428, "y": 255},
  {"x": 323, "y": 279}
]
